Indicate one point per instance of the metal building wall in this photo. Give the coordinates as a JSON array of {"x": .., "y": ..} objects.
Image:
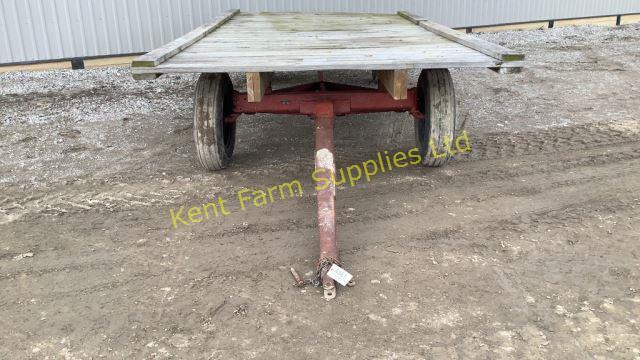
[{"x": 34, "y": 30}]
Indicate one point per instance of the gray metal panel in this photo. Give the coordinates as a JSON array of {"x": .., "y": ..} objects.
[{"x": 32, "y": 30}]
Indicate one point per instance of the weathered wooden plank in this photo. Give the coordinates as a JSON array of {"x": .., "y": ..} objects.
[
  {"x": 325, "y": 47},
  {"x": 391, "y": 53},
  {"x": 485, "y": 47},
  {"x": 162, "y": 54},
  {"x": 257, "y": 83},
  {"x": 395, "y": 81},
  {"x": 319, "y": 43},
  {"x": 294, "y": 65}
]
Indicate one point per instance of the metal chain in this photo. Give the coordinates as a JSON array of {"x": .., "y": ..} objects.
[
  {"x": 322, "y": 263},
  {"x": 316, "y": 280}
]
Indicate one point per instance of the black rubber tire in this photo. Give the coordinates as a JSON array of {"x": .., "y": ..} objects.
[
  {"x": 436, "y": 99},
  {"x": 214, "y": 138}
]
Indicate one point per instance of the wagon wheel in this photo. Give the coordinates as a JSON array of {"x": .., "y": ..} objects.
[
  {"x": 215, "y": 138},
  {"x": 436, "y": 99}
]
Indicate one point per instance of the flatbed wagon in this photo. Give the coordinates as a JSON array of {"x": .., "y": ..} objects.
[{"x": 260, "y": 44}]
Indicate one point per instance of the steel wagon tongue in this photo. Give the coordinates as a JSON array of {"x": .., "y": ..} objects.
[{"x": 260, "y": 44}]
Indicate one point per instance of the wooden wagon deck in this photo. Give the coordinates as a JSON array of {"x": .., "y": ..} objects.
[{"x": 267, "y": 42}]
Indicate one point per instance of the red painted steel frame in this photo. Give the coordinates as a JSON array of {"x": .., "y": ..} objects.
[
  {"x": 346, "y": 100},
  {"x": 326, "y": 197},
  {"x": 324, "y": 101}
]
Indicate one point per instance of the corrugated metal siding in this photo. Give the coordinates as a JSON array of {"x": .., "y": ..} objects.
[{"x": 33, "y": 30}]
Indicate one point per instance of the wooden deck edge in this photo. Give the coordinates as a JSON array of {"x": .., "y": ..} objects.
[
  {"x": 208, "y": 68},
  {"x": 165, "y": 52},
  {"x": 495, "y": 51},
  {"x": 411, "y": 17}
]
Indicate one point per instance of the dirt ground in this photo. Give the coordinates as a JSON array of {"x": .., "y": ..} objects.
[{"x": 526, "y": 248}]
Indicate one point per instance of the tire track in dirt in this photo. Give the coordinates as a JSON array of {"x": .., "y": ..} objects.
[
  {"x": 618, "y": 149},
  {"x": 485, "y": 146},
  {"x": 497, "y": 193}
]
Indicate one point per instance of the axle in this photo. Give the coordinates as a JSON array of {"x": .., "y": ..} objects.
[{"x": 346, "y": 99}]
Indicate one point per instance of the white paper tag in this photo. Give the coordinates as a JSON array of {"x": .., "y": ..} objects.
[{"x": 339, "y": 274}]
